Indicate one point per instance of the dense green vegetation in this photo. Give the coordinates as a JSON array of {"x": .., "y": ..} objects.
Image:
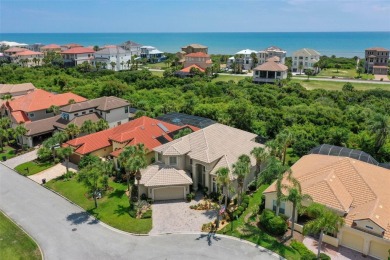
[
  {"x": 15, "y": 243},
  {"x": 317, "y": 116}
]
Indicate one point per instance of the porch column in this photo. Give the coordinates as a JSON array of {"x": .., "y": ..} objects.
[
  {"x": 366, "y": 246},
  {"x": 207, "y": 179},
  {"x": 194, "y": 177}
]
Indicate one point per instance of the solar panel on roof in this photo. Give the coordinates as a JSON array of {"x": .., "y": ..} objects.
[{"x": 163, "y": 127}]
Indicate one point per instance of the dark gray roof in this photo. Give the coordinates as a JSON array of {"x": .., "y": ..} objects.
[
  {"x": 131, "y": 44},
  {"x": 78, "y": 120},
  {"x": 103, "y": 104},
  {"x": 111, "y": 51},
  {"x": 181, "y": 119},
  {"x": 41, "y": 126}
]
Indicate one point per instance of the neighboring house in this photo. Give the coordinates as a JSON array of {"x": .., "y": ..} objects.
[
  {"x": 109, "y": 143},
  {"x": 112, "y": 109},
  {"x": 264, "y": 55},
  {"x": 115, "y": 54},
  {"x": 51, "y": 48},
  {"x": 356, "y": 190},
  {"x": 35, "y": 47},
  {"x": 305, "y": 59},
  {"x": 133, "y": 47},
  {"x": 16, "y": 90},
  {"x": 181, "y": 119},
  {"x": 13, "y": 50},
  {"x": 194, "y": 159},
  {"x": 70, "y": 46},
  {"x": 243, "y": 58},
  {"x": 77, "y": 55},
  {"x": 270, "y": 72},
  {"x": 199, "y": 59},
  {"x": 193, "y": 48},
  {"x": 377, "y": 60},
  {"x": 189, "y": 71},
  {"x": 152, "y": 54},
  {"x": 27, "y": 58}
]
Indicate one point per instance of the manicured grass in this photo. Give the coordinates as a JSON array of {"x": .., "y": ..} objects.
[
  {"x": 256, "y": 235},
  {"x": 113, "y": 208},
  {"x": 333, "y": 85},
  {"x": 15, "y": 243},
  {"x": 8, "y": 152},
  {"x": 33, "y": 167},
  {"x": 227, "y": 78},
  {"x": 159, "y": 65},
  {"x": 158, "y": 73},
  {"x": 343, "y": 73}
]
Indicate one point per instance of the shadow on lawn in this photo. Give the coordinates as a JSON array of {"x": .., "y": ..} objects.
[
  {"x": 81, "y": 218},
  {"x": 122, "y": 210},
  {"x": 117, "y": 193}
]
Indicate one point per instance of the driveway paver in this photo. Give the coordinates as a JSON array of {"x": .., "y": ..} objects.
[
  {"x": 176, "y": 216},
  {"x": 13, "y": 162},
  {"x": 65, "y": 231},
  {"x": 379, "y": 77},
  {"x": 53, "y": 172}
]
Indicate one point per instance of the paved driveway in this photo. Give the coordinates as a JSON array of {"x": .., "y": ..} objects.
[
  {"x": 379, "y": 77},
  {"x": 64, "y": 231},
  {"x": 13, "y": 162},
  {"x": 176, "y": 216},
  {"x": 53, "y": 172}
]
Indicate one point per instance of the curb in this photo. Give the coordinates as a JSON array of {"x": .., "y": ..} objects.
[{"x": 19, "y": 226}]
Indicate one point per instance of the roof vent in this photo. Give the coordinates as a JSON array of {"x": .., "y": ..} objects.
[{"x": 142, "y": 127}]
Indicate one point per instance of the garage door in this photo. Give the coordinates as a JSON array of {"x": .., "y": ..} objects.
[
  {"x": 379, "y": 250},
  {"x": 352, "y": 241},
  {"x": 169, "y": 193}
]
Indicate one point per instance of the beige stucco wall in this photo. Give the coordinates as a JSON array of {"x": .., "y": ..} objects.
[
  {"x": 365, "y": 222},
  {"x": 102, "y": 152}
]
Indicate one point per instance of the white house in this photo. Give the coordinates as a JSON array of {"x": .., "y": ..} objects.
[
  {"x": 152, "y": 54},
  {"x": 244, "y": 58},
  {"x": 118, "y": 55},
  {"x": 133, "y": 47},
  {"x": 264, "y": 55},
  {"x": 305, "y": 59},
  {"x": 78, "y": 55}
]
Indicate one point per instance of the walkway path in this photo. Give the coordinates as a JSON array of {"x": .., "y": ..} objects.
[
  {"x": 383, "y": 77},
  {"x": 13, "y": 162},
  {"x": 65, "y": 231},
  {"x": 53, "y": 172},
  {"x": 345, "y": 80}
]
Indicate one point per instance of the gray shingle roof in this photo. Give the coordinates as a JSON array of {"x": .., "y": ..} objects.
[
  {"x": 103, "y": 104},
  {"x": 112, "y": 51},
  {"x": 306, "y": 52}
]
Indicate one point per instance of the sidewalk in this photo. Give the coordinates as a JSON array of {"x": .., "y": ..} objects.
[
  {"x": 53, "y": 172},
  {"x": 13, "y": 162}
]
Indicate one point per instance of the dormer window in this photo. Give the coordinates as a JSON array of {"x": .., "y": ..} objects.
[{"x": 172, "y": 160}]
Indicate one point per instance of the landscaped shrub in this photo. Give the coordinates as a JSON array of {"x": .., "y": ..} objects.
[
  {"x": 266, "y": 215},
  {"x": 273, "y": 224},
  {"x": 214, "y": 196},
  {"x": 302, "y": 250},
  {"x": 285, "y": 217},
  {"x": 190, "y": 196},
  {"x": 244, "y": 205},
  {"x": 241, "y": 208},
  {"x": 246, "y": 200},
  {"x": 324, "y": 256},
  {"x": 237, "y": 214}
]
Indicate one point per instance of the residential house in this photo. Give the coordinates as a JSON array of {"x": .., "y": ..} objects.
[
  {"x": 189, "y": 71},
  {"x": 193, "y": 48},
  {"x": 271, "y": 71},
  {"x": 181, "y": 119},
  {"x": 70, "y": 46},
  {"x": 113, "y": 54},
  {"x": 109, "y": 143},
  {"x": 35, "y": 47},
  {"x": 194, "y": 160},
  {"x": 51, "y": 48},
  {"x": 199, "y": 59},
  {"x": 16, "y": 90},
  {"x": 133, "y": 47},
  {"x": 13, "y": 50},
  {"x": 305, "y": 59},
  {"x": 27, "y": 58},
  {"x": 152, "y": 54},
  {"x": 244, "y": 59},
  {"x": 377, "y": 60},
  {"x": 77, "y": 55},
  {"x": 356, "y": 190},
  {"x": 264, "y": 55}
]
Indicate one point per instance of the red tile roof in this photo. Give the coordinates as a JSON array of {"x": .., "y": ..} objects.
[
  {"x": 78, "y": 50},
  {"x": 188, "y": 69},
  {"x": 72, "y": 45},
  {"x": 142, "y": 130},
  {"x": 20, "y": 117},
  {"x": 14, "y": 49},
  {"x": 40, "y": 99},
  {"x": 198, "y": 55},
  {"x": 28, "y": 53},
  {"x": 51, "y": 46}
]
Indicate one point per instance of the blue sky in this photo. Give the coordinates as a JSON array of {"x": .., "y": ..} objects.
[{"x": 21, "y": 16}]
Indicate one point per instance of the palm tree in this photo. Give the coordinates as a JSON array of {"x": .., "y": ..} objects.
[
  {"x": 254, "y": 59},
  {"x": 122, "y": 64},
  {"x": 279, "y": 192},
  {"x": 98, "y": 65},
  {"x": 3, "y": 136},
  {"x": 72, "y": 130},
  {"x": 50, "y": 144},
  {"x": 223, "y": 181},
  {"x": 128, "y": 62},
  {"x": 113, "y": 64},
  {"x": 60, "y": 137},
  {"x": 7, "y": 97},
  {"x": 359, "y": 71},
  {"x": 326, "y": 221},
  {"x": 35, "y": 60},
  {"x": 20, "y": 131},
  {"x": 300, "y": 67},
  {"x": 261, "y": 155},
  {"x": 102, "y": 125},
  {"x": 274, "y": 148},
  {"x": 66, "y": 152},
  {"x": 54, "y": 109},
  {"x": 285, "y": 140},
  {"x": 88, "y": 127},
  {"x": 241, "y": 169},
  {"x": 337, "y": 66},
  {"x": 379, "y": 125}
]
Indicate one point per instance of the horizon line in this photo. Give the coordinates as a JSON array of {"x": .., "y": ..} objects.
[{"x": 198, "y": 32}]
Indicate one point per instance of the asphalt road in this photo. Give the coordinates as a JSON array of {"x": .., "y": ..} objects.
[{"x": 64, "y": 231}]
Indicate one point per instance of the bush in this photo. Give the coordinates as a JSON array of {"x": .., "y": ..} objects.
[
  {"x": 214, "y": 196},
  {"x": 133, "y": 213},
  {"x": 285, "y": 217},
  {"x": 237, "y": 214},
  {"x": 302, "y": 250},
  {"x": 267, "y": 215},
  {"x": 246, "y": 200},
  {"x": 273, "y": 224},
  {"x": 147, "y": 214},
  {"x": 190, "y": 196},
  {"x": 240, "y": 208},
  {"x": 244, "y": 205},
  {"x": 324, "y": 256}
]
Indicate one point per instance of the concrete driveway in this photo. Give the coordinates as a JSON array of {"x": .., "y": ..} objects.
[
  {"x": 65, "y": 231},
  {"x": 53, "y": 172},
  {"x": 379, "y": 77},
  {"x": 13, "y": 162},
  {"x": 176, "y": 216}
]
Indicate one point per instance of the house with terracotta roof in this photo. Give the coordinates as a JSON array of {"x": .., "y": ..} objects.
[
  {"x": 264, "y": 55},
  {"x": 270, "y": 72},
  {"x": 356, "y": 190},
  {"x": 77, "y": 55},
  {"x": 27, "y": 58},
  {"x": 377, "y": 60},
  {"x": 109, "y": 143},
  {"x": 51, "y": 48},
  {"x": 189, "y": 71},
  {"x": 14, "y": 50},
  {"x": 194, "y": 160},
  {"x": 195, "y": 47},
  {"x": 70, "y": 46},
  {"x": 116, "y": 54},
  {"x": 199, "y": 59}
]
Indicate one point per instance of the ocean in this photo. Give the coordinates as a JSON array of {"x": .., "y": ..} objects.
[{"x": 341, "y": 44}]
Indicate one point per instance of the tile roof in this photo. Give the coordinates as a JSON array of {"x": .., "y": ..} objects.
[
  {"x": 78, "y": 120},
  {"x": 274, "y": 59},
  {"x": 28, "y": 53},
  {"x": 20, "y": 117},
  {"x": 198, "y": 55},
  {"x": 271, "y": 66},
  {"x": 42, "y": 126},
  {"x": 195, "y": 45},
  {"x": 78, "y": 50},
  {"x": 358, "y": 189},
  {"x": 71, "y": 45},
  {"x": 14, "y": 88},
  {"x": 102, "y": 103},
  {"x": 41, "y": 99},
  {"x": 141, "y": 130},
  {"x": 159, "y": 174},
  {"x": 306, "y": 52},
  {"x": 112, "y": 50},
  {"x": 188, "y": 69},
  {"x": 51, "y": 46},
  {"x": 377, "y": 49},
  {"x": 14, "y": 49},
  {"x": 216, "y": 143}
]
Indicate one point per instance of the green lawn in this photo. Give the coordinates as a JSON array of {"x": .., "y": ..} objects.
[
  {"x": 112, "y": 209},
  {"x": 33, "y": 167},
  {"x": 228, "y": 78},
  {"x": 158, "y": 73},
  {"x": 15, "y": 243},
  {"x": 251, "y": 233},
  {"x": 333, "y": 85},
  {"x": 158, "y": 66},
  {"x": 8, "y": 152},
  {"x": 343, "y": 73}
]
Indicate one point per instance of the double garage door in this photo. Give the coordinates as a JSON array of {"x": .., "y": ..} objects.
[
  {"x": 169, "y": 193},
  {"x": 356, "y": 242}
]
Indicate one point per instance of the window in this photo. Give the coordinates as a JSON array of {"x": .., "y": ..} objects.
[
  {"x": 126, "y": 110},
  {"x": 76, "y": 114},
  {"x": 190, "y": 161},
  {"x": 119, "y": 123},
  {"x": 65, "y": 116},
  {"x": 159, "y": 157},
  {"x": 282, "y": 208},
  {"x": 173, "y": 160},
  {"x": 108, "y": 111},
  {"x": 204, "y": 168},
  {"x": 31, "y": 115},
  {"x": 278, "y": 74},
  {"x": 83, "y": 112},
  {"x": 90, "y": 111}
]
